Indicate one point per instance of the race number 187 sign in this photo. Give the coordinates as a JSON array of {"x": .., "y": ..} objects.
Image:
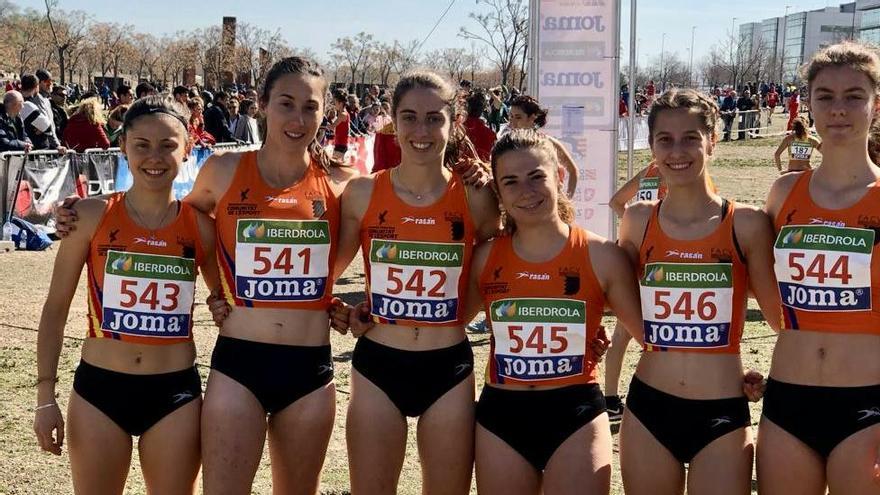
[{"x": 574, "y": 73}]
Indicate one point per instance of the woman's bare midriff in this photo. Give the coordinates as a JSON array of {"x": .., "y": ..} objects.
[
  {"x": 691, "y": 375},
  {"x": 416, "y": 338},
  {"x": 826, "y": 359},
  {"x": 302, "y": 327},
  {"x": 798, "y": 165},
  {"x": 138, "y": 359}
]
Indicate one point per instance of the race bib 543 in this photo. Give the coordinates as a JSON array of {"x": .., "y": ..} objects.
[
  {"x": 148, "y": 295},
  {"x": 687, "y": 305},
  {"x": 415, "y": 280},
  {"x": 538, "y": 339},
  {"x": 824, "y": 268},
  {"x": 281, "y": 260}
]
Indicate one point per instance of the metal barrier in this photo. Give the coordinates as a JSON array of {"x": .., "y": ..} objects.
[{"x": 95, "y": 171}]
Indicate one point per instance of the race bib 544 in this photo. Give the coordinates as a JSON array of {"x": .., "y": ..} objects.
[
  {"x": 415, "y": 280},
  {"x": 687, "y": 305},
  {"x": 538, "y": 339},
  {"x": 281, "y": 260},
  {"x": 148, "y": 295},
  {"x": 824, "y": 268}
]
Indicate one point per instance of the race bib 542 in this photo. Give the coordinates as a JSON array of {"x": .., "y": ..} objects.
[
  {"x": 538, "y": 339},
  {"x": 415, "y": 280},
  {"x": 281, "y": 260},
  {"x": 824, "y": 268},
  {"x": 687, "y": 305},
  {"x": 148, "y": 295}
]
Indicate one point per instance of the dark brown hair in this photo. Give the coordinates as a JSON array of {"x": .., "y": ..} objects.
[
  {"x": 530, "y": 106},
  {"x": 304, "y": 67},
  {"x": 459, "y": 146},
  {"x": 528, "y": 139}
]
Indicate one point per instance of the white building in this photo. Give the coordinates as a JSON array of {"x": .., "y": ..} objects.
[{"x": 791, "y": 40}]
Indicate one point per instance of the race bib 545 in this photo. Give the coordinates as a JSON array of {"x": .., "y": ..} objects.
[
  {"x": 415, "y": 280},
  {"x": 824, "y": 268},
  {"x": 148, "y": 295},
  {"x": 538, "y": 339},
  {"x": 687, "y": 305},
  {"x": 281, "y": 260}
]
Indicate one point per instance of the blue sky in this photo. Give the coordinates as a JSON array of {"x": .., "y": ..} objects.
[{"x": 317, "y": 24}]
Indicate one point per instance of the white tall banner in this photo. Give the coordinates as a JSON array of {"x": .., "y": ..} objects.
[{"x": 575, "y": 74}]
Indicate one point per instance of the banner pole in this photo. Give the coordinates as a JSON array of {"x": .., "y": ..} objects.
[{"x": 631, "y": 124}]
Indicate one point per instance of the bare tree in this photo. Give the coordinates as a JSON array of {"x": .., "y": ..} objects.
[
  {"x": 67, "y": 32},
  {"x": 405, "y": 56},
  {"x": 27, "y": 31},
  {"x": 354, "y": 51},
  {"x": 504, "y": 29},
  {"x": 146, "y": 47}
]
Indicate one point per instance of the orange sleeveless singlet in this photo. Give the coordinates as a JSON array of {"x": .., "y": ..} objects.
[
  {"x": 693, "y": 292},
  {"x": 543, "y": 316},
  {"x": 417, "y": 259},
  {"x": 827, "y": 262},
  {"x": 141, "y": 282},
  {"x": 276, "y": 247}
]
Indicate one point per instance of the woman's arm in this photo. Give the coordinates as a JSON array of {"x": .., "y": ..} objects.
[
  {"x": 786, "y": 141},
  {"x": 627, "y": 192},
  {"x": 754, "y": 233},
  {"x": 566, "y": 160},
  {"x": 483, "y": 205},
  {"x": 65, "y": 277},
  {"x": 618, "y": 280}
]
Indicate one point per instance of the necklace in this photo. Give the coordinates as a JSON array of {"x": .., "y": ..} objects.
[
  {"x": 140, "y": 219},
  {"x": 409, "y": 191}
]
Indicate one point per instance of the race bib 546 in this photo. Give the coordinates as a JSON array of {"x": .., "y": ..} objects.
[
  {"x": 281, "y": 260},
  {"x": 687, "y": 305},
  {"x": 538, "y": 339},
  {"x": 148, "y": 295},
  {"x": 415, "y": 280},
  {"x": 824, "y": 268}
]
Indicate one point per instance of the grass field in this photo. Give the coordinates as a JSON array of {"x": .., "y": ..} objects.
[{"x": 742, "y": 171}]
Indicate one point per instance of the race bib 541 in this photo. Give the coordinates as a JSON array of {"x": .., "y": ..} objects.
[
  {"x": 824, "y": 268},
  {"x": 415, "y": 280},
  {"x": 148, "y": 295},
  {"x": 687, "y": 305},
  {"x": 538, "y": 339},
  {"x": 281, "y": 260}
]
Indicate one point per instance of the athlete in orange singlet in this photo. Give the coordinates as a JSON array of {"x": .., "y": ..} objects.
[
  {"x": 821, "y": 422},
  {"x": 697, "y": 256},
  {"x": 137, "y": 375},
  {"x": 541, "y": 422},
  {"x": 416, "y": 225}
]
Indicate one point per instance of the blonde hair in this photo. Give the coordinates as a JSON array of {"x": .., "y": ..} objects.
[
  {"x": 528, "y": 139},
  {"x": 93, "y": 110}
]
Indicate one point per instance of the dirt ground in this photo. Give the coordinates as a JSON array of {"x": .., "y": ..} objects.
[{"x": 742, "y": 171}]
